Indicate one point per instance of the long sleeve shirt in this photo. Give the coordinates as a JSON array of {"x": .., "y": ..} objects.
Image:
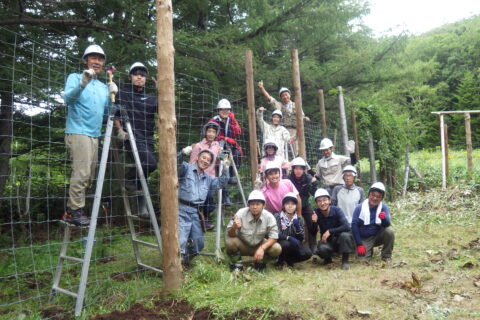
[
  {"x": 329, "y": 170},
  {"x": 347, "y": 199},
  {"x": 295, "y": 229},
  {"x": 279, "y": 133},
  {"x": 361, "y": 231},
  {"x": 335, "y": 222},
  {"x": 305, "y": 187},
  {"x": 233, "y": 131},
  {"x": 86, "y": 106}
]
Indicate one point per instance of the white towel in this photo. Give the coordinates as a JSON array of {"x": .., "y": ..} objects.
[{"x": 365, "y": 213}]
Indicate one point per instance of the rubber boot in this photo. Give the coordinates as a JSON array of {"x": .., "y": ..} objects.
[{"x": 345, "y": 264}]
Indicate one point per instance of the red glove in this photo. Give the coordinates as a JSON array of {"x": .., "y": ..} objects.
[
  {"x": 230, "y": 140},
  {"x": 381, "y": 215},
  {"x": 231, "y": 115},
  {"x": 361, "y": 250}
]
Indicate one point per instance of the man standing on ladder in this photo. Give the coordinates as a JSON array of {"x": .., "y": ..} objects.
[
  {"x": 287, "y": 106},
  {"x": 141, "y": 109},
  {"x": 87, "y": 100},
  {"x": 275, "y": 131}
]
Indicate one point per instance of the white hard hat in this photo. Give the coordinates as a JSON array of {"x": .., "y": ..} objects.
[
  {"x": 271, "y": 165},
  {"x": 94, "y": 48},
  {"x": 290, "y": 197},
  {"x": 282, "y": 90},
  {"x": 321, "y": 193},
  {"x": 256, "y": 195},
  {"x": 278, "y": 113},
  {"x": 298, "y": 161},
  {"x": 224, "y": 104},
  {"x": 270, "y": 143},
  {"x": 377, "y": 186},
  {"x": 325, "y": 144},
  {"x": 211, "y": 124},
  {"x": 351, "y": 169},
  {"x": 137, "y": 65}
]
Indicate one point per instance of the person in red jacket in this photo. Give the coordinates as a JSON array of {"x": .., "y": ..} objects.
[{"x": 229, "y": 131}]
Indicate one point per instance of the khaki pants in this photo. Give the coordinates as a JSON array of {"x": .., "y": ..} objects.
[
  {"x": 235, "y": 245},
  {"x": 83, "y": 152},
  {"x": 385, "y": 238}
]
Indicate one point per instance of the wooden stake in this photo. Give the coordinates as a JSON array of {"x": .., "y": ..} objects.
[
  {"x": 407, "y": 171},
  {"x": 445, "y": 135},
  {"x": 343, "y": 120},
  {"x": 371, "y": 152},
  {"x": 323, "y": 116},
  {"x": 167, "y": 125},
  {"x": 355, "y": 137},
  {"x": 468, "y": 136},
  {"x": 252, "y": 125},
  {"x": 298, "y": 103},
  {"x": 444, "y": 159}
]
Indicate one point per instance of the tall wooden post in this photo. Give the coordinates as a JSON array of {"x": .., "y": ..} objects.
[
  {"x": 357, "y": 145},
  {"x": 252, "y": 125},
  {"x": 167, "y": 146},
  {"x": 371, "y": 152},
  {"x": 343, "y": 120},
  {"x": 323, "y": 117},
  {"x": 468, "y": 137},
  {"x": 444, "y": 159},
  {"x": 298, "y": 103},
  {"x": 445, "y": 135}
]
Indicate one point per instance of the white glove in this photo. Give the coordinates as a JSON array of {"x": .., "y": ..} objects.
[
  {"x": 87, "y": 76},
  {"x": 121, "y": 134},
  {"x": 187, "y": 150},
  {"x": 112, "y": 88},
  {"x": 226, "y": 162},
  {"x": 350, "y": 146}
]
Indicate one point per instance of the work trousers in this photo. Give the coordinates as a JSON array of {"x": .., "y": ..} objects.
[
  {"x": 235, "y": 245},
  {"x": 385, "y": 238},
  {"x": 147, "y": 158},
  {"x": 311, "y": 227},
  {"x": 83, "y": 151},
  {"x": 292, "y": 253},
  {"x": 190, "y": 228},
  {"x": 341, "y": 243}
]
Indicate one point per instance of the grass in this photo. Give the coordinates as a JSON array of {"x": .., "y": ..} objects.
[{"x": 434, "y": 234}]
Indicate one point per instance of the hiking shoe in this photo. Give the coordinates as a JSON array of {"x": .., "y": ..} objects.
[
  {"x": 260, "y": 266},
  {"x": 345, "y": 266},
  {"x": 237, "y": 266},
  {"x": 76, "y": 217},
  {"x": 327, "y": 261}
]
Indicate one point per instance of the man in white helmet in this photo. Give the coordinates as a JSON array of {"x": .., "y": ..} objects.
[
  {"x": 286, "y": 105},
  {"x": 330, "y": 166},
  {"x": 274, "y": 131},
  {"x": 87, "y": 100},
  {"x": 253, "y": 232},
  {"x": 348, "y": 195},
  {"x": 141, "y": 109},
  {"x": 371, "y": 224}
]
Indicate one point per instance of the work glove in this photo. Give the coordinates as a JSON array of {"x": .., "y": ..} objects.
[
  {"x": 382, "y": 215},
  {"x": 258, "y": 183},
  {"x": 226, "y": 162},
  {"x": 87, "y": 76},
  {"x": 187, "y": 150},
  {"x": 230, "y": 140},
  {"x": 112, "y": 88},
  {"x": 351, "y": 146},
  {"x": 121, "y": 134},
  {"x": 361, "y": 250},
  {"x": 293, "y": 241},
  {"x": 231, "y": 115}
]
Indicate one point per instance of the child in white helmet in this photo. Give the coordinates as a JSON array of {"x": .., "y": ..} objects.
[{"x": 271, "y": 155}]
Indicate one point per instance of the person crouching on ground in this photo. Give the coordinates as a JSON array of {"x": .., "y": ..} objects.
[
  {"x": 253, "y": 232},
  {"x": 291, "y": 233},
  {"x": 334, "y": 230},
  {"x": 194, "y": 185},
  {"x": 371, "y": 224}
]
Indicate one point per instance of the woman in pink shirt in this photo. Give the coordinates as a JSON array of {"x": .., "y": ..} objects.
[{"x": 270, "y": 148}]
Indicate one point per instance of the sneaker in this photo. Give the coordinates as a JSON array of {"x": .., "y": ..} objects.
[
  {"x": 76, "y": 218},
  {"x": 260, "y": 266},
  {"x": 237, "y": 266},
  {"x": 327, "y": 261},
  {"x": 345, "y": 266}
]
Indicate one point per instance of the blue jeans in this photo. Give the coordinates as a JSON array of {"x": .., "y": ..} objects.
[{"x": 190, "y": 228}]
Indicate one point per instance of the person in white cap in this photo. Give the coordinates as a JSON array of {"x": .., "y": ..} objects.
[
  {"x": 275, "y": 131},
  {"x": 276, "y": 188},
  {"x": 371, "y": 224},
  {"x": 291, "y": 233},
  {"x": 329, "y": 168},
  {"x": 270, "y": 148},
  {"x": 141, "y": 109},
  {"x": 87, "y": 100},
  {"x": 348, "y": 195},
  {"x": 253, "y": 232}
]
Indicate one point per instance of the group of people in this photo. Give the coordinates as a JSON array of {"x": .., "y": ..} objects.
[{"x": 279, "y": 221}]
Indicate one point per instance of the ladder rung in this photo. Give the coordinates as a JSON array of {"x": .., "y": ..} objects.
[
  {"x": 148, "y": 244},
  {"x": 72, "y": 258},
  {"x": 149, "y": 267},
  {"x": 133, "y": 217},
  {"x": 67, "y": 292}
]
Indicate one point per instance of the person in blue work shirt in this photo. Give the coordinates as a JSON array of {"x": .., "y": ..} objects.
[
  {"x": 334, "y": 230},
  {"x": 371, "y": 224},
  {"x": 194, "y": 185},
  {"x": 141, "y": 109},
  {"x": 87, "y": 100}
]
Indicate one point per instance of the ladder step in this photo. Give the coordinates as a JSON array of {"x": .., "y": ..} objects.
[
  {"x": 149, "y": 267},
  {"x": 148, "y": 244},
  {"x": 138, "y": 218},
  {"x": 72, "y": 258},
  {"x": 67, "y": 292}
]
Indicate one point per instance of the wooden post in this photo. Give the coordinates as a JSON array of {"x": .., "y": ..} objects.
[
  {"x": 343, "y": 120},
  {"x": 445, "y": 135},
  {"x": 323, "y": 117},
  {"x": 172, "y": 269},
  {"x": 371, "y": 152},
  {"x": 444, "y": 159},
  {"x": 298, "y": 103},
  {"x": 252, "y": 125},
  {"x": 355, "y": 135},
  {"x": 468, "y": 137},
  {"x": 407, "y": 171}
]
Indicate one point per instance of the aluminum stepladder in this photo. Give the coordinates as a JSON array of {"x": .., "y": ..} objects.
[{"x": 85, "y": 261}]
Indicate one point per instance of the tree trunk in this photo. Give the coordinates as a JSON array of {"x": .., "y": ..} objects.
[{"x": 6, "y": 134}]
